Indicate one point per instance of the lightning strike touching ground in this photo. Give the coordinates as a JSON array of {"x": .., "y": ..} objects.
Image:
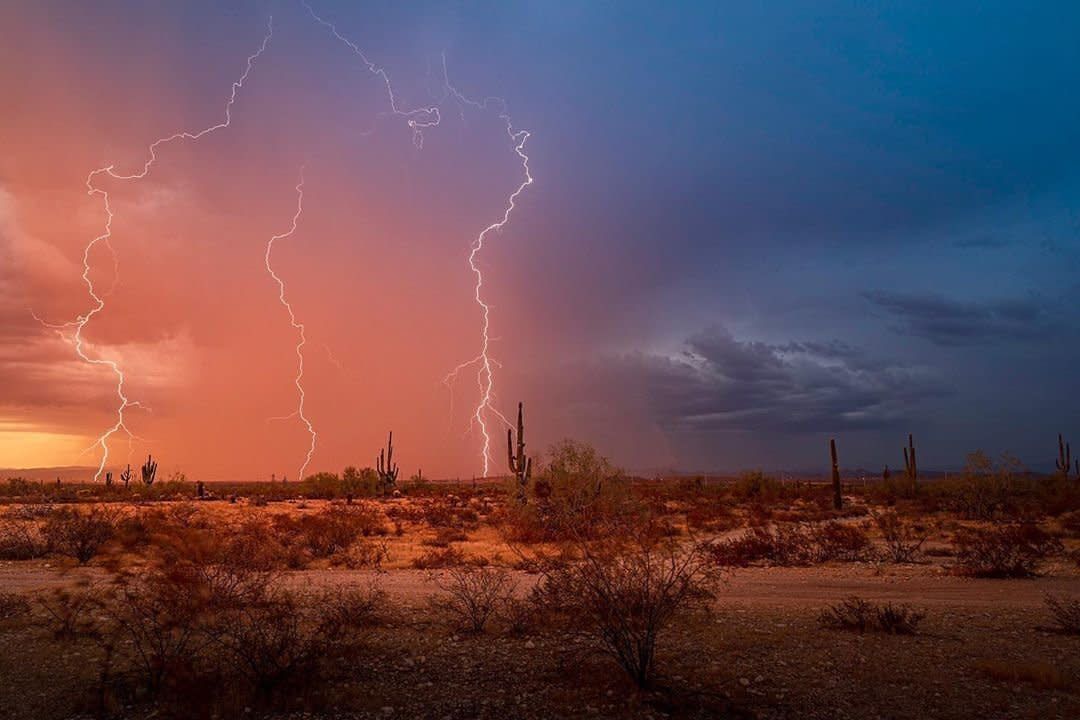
[
  {"x": 418, "y": 119},
  {"x": 485, "y": 377},
  {"x": 79, "y": 324},
  {"x": 298, "y": 326}
]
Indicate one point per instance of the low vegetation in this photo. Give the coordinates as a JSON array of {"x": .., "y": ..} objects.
[
  {"x": 861, "y": 615},
  {"x": 194, "y": 602}
]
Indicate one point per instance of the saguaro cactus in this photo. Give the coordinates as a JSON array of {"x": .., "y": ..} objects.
[
  {"x": 149, "y": 470},
  {"x": 909, "y": 461},
  {"x": 837, "y": 499},
  {"x": 126, "y": 476},
  {"x": 385, "y": 467},
  {"x": 1064, "y": 460},
  {"x": 519, "y": 463}
]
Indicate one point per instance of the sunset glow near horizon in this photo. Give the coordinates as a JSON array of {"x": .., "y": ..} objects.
[{"x": 750, "y": 229}]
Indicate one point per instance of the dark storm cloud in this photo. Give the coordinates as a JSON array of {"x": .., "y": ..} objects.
[
  {"x": 721, "y": 383},
  {"x": 949, "y": 322}
]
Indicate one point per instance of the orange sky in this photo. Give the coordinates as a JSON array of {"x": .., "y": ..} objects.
[{"x": 376, "y": 269}]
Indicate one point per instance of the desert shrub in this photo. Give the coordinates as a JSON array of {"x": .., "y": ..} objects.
[
  {"x": 359, "y": 483},
  {"x": 279, "y": 640},
  {"x": 861, "y": 615},
  {"x": 18, "y": 487},
  {"x": 471, "y": 595},
  {"x": 80, "y": 533},
  {"x": 780, "y": 545},
  {"x": 756, "y": 486},
  {"x": 21, "y": 540},
  {"x": 1066, "y": 613},
  {"x": 710, "y": 516},
  {"x": 67, "y": 612},
  {"x": 365, "y": 553},
  {"x": 444, "y": 536},
  {"x": 520, "y": 615},
  {"x": 156, "y": 621},
  {"x": 623, "y": 596},
  {"x": 1007, "y": 551},
  {"x": 333, "y": 529},
  {"x": 840, "y": 541},
  {"x": 447, "y": 557},
  {"x": 575, "y": 495},
  {"x": 984, "y": 490},
  {"x": 448, "y": 512},
  {"x": 12, "y": 605},
  {"x": 1070, "y": 523},
  {"x": 903, "y": 540}
]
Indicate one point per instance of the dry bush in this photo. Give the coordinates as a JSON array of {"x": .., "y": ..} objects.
[
  {"x": 12, "y": 605},
  {"x": 67, "y": 613},
  {"x": 156, "y": 621},
  {"x": 1070, "y": 523},
  {"x": 840, "y": 541},
  {"x": 81, "y": 533},
  {"x": 861, "y": 615},
  {"x": 1008, "y": 551},
  {"x": 280, "y": 640},
  {"x": 366, "y": 553},
  {"x": 623, "y": 596},
  {"x": 471, "y": 595},
  {"x": 448, "y": 557},
  {"x": 333, "y": 529},
  {"x": 449, "y": 512},
  {"x": 1066, "y": 613},
  {"x": 712, "y": 516},
  {"x": 577, "y": 494},
  {"x": 444, "y": 536},
  {"x": 786, "y": 545},
  {"x": 903, "y": 540},
  {"x": 21, "y": 540}
]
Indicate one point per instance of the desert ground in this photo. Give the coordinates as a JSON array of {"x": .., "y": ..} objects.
[{"x": 947, "y": 600}]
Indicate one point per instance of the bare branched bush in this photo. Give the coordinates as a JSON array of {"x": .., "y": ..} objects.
[
  {"x": 786, "y": 545},
  {"x": 280, "y": 640},
  {"x": 472, "y": 595},
  {"x": 1008, "y": 551},
  {"x": 68, "y": 613},
  {"x": 81, "y": 533},
  {"x": 366, "y": 553},
  {"x": 21, "y": 540},
  {"x": 157, "y": 619},
  {"x": 861, "y": 615},
  {"x": 903, "y": 540},
  {"x": 332, "y": 530},
  {"x": 625, "y": 595},
  {"x": 1066, "y": 613},
  {"x": 840, "y": 541}
]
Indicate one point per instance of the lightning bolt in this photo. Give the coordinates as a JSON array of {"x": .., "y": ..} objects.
[
  {"x": 298, "y": 326},
  {"x": 98, "y": 303},
  {"x": 485, "y": 374},
  {"x": 418, "y": 119}
]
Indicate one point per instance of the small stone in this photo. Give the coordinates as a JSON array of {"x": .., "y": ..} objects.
[{"x": 745, "y": 682}]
